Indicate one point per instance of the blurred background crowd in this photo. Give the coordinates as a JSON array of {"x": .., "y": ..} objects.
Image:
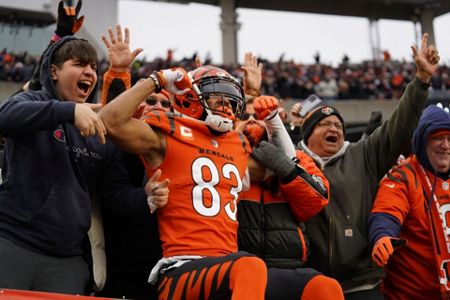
[{"x": 384, "y": 79}]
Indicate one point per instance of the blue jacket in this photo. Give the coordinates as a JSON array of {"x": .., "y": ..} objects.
[{"x": 51, "y": 172}]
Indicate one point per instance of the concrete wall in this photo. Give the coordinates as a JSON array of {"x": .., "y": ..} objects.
[
  {"x": 36, "y": 5},
  {"x": 358, "y": 111},
  {"x": 7, "y": 89},
  {"x": 100, "y": 14}
]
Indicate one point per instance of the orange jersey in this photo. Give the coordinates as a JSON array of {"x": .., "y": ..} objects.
[
  {"x": 205, "y": 173},
  {"x": 411, "y": 271}
]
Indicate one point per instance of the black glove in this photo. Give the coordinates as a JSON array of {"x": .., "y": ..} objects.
[
  {"x": 68, "y": 22},
  {"x": 374, "y": 122},
  {"x": 273, "y": 158}
]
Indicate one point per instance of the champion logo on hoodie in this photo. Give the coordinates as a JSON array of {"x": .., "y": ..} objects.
[{"x": 60, "y": 135}]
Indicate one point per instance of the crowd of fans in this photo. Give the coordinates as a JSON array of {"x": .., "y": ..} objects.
[
  {"x": 384, "y": 79},
  {"x": 83, "y": 162}
]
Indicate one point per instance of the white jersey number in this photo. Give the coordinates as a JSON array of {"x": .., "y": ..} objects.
[{"x": 197, "y": 192}]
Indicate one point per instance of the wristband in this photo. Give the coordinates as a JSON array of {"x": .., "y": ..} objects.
[
  {"x": 155, "y": 79},
  {"x": 269, "y": 117}
]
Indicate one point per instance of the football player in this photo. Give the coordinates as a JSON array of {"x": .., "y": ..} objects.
[{"x": 206, "y": 161}]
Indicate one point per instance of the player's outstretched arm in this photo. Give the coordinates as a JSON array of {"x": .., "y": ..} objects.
[{"x": 132, "y": 135}]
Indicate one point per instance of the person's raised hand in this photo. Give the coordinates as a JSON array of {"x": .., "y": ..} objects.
[
  {"x": 89, "y": 122},
  {"x": 296, "y": 119},
  {"x": 295, "y": 109},
  {"x": 174, "y": 80},
  {"x": 265, "y": 107},
  {"x": 68, "y": 22},
  {"x": 119, "y": 53},
  {"x": 157, "y": 191},
  {"x": 252, "y": 74},
  {"x": 426, "y": 58}
]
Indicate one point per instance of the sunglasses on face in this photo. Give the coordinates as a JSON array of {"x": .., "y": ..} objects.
[
  {"x": 152, "y": 101},
  {"x": 245, "y": 116}
]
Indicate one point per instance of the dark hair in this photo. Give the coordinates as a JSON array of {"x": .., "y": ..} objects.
[{"x": 75, "y": 49}]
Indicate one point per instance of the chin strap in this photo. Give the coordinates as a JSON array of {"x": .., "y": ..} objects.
[
  {"x": 215, "y": 122},
  {"x": 218, "y": 123}
]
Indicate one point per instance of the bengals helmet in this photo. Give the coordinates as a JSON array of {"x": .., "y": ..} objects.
[{"x": 211, "y": 81}]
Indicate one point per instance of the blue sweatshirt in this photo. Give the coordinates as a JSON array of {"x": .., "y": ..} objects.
[{"x": 51, "y": 172}]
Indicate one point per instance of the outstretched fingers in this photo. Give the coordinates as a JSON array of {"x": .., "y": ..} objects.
[
  {"x": 111, "y": 35},
  {"x": 127, "y": 35},
  {"x": 119, "y": 33},
  {"x": 424, "y": 43},
  {"x": 260, "y": 66},
  {"x": 106, "y": 42},
  {"x": 136, "y": 52},
  {"x": 78, "y": 7},
  {"x": 414, "y": 50}
]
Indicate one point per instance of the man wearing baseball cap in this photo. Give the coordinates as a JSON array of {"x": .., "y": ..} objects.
[{"x": 338, "y": 234}]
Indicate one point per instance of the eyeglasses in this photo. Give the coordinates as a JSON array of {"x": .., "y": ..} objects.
[
  {"x": 245, "y": 116},
  {"x": 152, "y": 101},
  {"x": 328, "y": 124}
]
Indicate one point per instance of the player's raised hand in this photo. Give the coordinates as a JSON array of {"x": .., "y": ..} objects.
[
  {"x": 265, "y": 107},
  {"x": 174, "y": 80}
]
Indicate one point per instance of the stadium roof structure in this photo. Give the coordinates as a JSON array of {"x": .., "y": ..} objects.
[
  {"x": 26, "y": 17},
  {"x": 406, "y": 10},
  {"x": 417, "y": 11}
]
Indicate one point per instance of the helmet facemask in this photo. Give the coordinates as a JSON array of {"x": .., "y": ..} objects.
[
  {"x": 229, "y": 95},
  {"x": 216, "y": 98}
]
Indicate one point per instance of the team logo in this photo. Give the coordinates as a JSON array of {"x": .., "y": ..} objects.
[
  {"x": 59, "y": 135},
  {"x": 327, "y": 110},
  {"x": 445, "y": 186},
  {"x": 186, "y": 132},
  {"x": 215, "y": 143}
]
